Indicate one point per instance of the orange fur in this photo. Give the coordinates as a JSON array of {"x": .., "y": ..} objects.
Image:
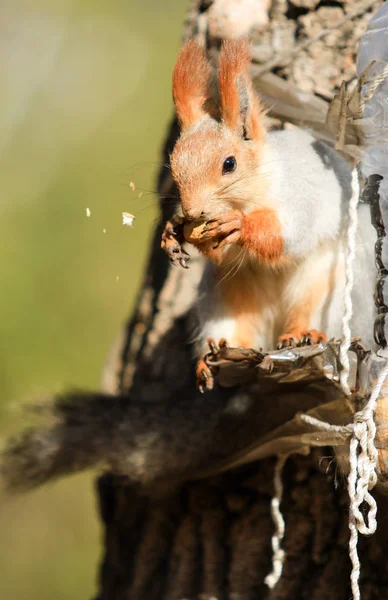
[
  {"x": 242, "y": 303},
  {"x": 300, "y": 314},
  {"x": 261, "y": 234},
  {"x": 191, "y": 83},
  {"x": 241, "y": 298},
  {"x": 251, "y": 299},
  {"x": 194, "y": 169},
  {"x": 241, "y": 110},
  {"x": 298, "y": 323}
]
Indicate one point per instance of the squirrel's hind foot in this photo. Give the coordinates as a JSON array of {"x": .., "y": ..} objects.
[
  {"x": 298, "y": 337},
  {"x": 205, "y": 379}
]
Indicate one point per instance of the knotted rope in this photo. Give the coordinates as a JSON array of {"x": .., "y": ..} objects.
[
  {"x": 362, "y": 475},
  {"x": 362, "y": 478},
  {"x": 362, "y": 450}
]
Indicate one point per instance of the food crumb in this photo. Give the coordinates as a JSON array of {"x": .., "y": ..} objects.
[
  {"x": 117, "y": 277},
  {"x": 128, "y": 219},
  {"x": 140, "y": 195},
  {"x": 104, "y": 230},
  {"x": 132, "y": 186},
  {"x": 88, "y": 212}
]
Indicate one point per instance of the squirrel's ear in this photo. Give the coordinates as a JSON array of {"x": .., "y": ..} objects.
[
  {"x": 191, "y": 83},
  {"x": 240, "y": 107}
]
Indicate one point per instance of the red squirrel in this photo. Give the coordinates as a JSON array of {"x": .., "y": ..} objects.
[{"x": 269, "y": 212}]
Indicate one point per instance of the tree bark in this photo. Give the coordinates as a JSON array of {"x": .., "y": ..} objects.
[{"x": 173, "y": 537}]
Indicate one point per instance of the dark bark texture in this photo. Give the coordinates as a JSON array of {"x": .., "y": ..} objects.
[{"x": 212, "y": 539}]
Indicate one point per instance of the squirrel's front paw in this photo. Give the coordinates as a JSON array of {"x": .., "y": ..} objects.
[
  {"x": 224, "y": 229},
  {"x": 172, "y": 246},
  {"x": 300, "y": 337}
]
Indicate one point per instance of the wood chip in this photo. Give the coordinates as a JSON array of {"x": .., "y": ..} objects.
[{"x": 128, "y": 219}]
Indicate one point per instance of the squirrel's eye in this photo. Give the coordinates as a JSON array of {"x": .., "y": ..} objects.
[{"x": 229, "y": 165}]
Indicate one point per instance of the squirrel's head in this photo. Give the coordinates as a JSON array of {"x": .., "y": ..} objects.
[{"x": 215, "y": 161}]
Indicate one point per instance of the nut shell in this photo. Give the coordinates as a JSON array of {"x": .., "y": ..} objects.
[{"x": 193, "y": 231}]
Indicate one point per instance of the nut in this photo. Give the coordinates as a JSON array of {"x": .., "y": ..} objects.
[{"x": 193, "y": 231}]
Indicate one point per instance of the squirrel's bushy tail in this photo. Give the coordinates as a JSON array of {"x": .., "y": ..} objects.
[
  {"x": 79, "y": 436},
  {"x": 144, "y": 438}
]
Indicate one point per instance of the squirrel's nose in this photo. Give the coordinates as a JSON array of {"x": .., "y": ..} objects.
[{"x": 192, "y": 214}]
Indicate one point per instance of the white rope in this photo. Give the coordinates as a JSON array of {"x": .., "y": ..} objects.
[
  {"x": 362, "y": 450},
  {"x": 326, "y": 426},
  {"x": 363, "y": 454},
  {"x": 278, "y": 554},
  {"x": 362, "y": 478},
  {"x": 349, "y": 279}
]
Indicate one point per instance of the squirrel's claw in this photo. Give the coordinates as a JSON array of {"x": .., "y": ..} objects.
[
  {"x": 301, "y": 338},
  {"x": 176, "y": 254},
  {"x": 312, "y": 336},
  {"x": 288, "y": 340},
  {"x": 205, "y": 379},
  {"x": 171, "y": 244},
  {"x": 213, "y": 346}
]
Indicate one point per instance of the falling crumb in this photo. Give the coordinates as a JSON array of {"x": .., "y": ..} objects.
[
  {"x": 117, "y": 277},
  {"x": 132, "y": 186},
  {"x": 140, "y": 195},
  {"x": 104, "y": 230},
  {"x": 88, "y": 212},
  {"x": 128, "y": 219}
]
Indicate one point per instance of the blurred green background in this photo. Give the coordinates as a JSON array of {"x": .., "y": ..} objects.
[{"x": 85, "y": 102}]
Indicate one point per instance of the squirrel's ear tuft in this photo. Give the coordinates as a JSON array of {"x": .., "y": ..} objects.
[
  {"x": 191, "y": 83},
  {"x": 240, "y": 107}
]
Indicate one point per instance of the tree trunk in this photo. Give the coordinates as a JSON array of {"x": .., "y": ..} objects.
[{"x": 171, "y": 536}]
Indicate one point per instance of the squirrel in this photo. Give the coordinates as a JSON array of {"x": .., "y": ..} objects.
[{"x": 269, "y": 210}]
